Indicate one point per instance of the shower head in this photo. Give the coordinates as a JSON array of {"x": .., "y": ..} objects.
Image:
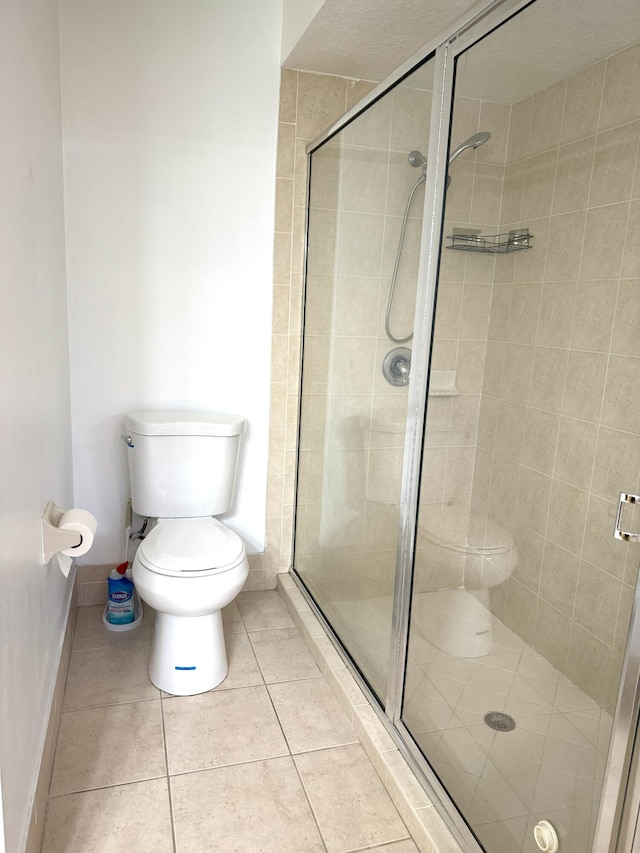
[
  {"x": 472, "y": 142},
  {"x": 416, "y": 159}
]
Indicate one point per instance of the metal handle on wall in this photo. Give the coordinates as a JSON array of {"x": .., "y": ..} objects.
[{"x": 618, "y": 533}]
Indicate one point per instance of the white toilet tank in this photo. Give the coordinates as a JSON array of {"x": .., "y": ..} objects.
[{"x": 182, "y": 464}]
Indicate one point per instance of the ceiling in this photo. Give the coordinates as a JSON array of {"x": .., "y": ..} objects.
[{"x": 369, "y": 39}]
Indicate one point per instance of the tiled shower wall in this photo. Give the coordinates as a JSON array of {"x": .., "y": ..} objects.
[
  {"x": 559, "y": 418},
  {"x": 460, "y": 339},
  {"x": 354, "y": 425},
  {"x": 309, "y": 103},
  {"x": 548, "y": 326}
]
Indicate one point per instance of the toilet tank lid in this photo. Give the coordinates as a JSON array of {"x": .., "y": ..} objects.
[{"x": 182, "y": 422}]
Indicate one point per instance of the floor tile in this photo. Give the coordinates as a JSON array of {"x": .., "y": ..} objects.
[
  {"x": 243, "y": 666},
  {"x": 108, "y": 676},
  {"x": 397, "y": 847},
  {"x": 263, "y": 610},
  {"x": 352, "y": 808},
  {"x": 232, "y": 620},
  {"x": 282, "y": 655},
  {"x": 247, "y": 808},
  {"x": 108, "y": 746},
  {"x": 221, "y": 727},
  {"x": 90, "y": 632},
  {"x": 111, "y": 820},
  {"x": 310, "y": 715}
]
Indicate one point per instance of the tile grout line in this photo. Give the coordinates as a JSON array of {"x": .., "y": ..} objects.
[
  {"x": 295, "y": 766},
  {"x": 168, "y": 777}
]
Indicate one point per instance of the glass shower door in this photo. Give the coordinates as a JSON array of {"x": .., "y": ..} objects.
[
  {"x": 521, "y": 597},
  {"x": 365, "y": 215}
]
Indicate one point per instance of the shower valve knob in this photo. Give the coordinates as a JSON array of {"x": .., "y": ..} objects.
[{"x": 396, "y": 366}]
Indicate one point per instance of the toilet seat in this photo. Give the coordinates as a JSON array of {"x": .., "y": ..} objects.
[
  {"x": 452, "y": 538},
  {"x": 189, "y": 547}
]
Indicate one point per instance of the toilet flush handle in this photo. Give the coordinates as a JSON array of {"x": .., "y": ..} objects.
[{"x": 127, "y": 440}]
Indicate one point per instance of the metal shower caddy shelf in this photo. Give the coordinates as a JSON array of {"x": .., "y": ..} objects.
[{"x": 497, "y": 244}]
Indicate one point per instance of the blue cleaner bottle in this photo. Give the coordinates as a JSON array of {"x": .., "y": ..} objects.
[{"x": 120, "y": 604}]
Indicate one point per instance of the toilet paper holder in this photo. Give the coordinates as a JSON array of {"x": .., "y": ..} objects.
[{"x": 54, "y": 539}]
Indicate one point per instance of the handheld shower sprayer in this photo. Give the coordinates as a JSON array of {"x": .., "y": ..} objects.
[{"x": 419, "y": 161}]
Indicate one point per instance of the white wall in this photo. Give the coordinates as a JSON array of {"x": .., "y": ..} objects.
[
  {"x": 170, "y": 124},
  {"x": 35, "y": 461}
]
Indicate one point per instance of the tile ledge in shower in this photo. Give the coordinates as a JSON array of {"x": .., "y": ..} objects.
[{"x": 427, "y": 828}]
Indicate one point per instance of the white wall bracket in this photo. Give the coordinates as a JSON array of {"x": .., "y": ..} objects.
[{"x": 54, "y": 539}]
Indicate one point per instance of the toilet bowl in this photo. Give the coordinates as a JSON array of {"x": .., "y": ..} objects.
[
  {"x": 182, "y": 468},
  {"x": 187, "y": 570},
  {"x": 460, "y": 620}
]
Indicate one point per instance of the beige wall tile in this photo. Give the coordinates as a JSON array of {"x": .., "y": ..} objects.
[
  {"x": 597, "y": 602},
  {"x": 411, "y": 114},
  {"x": 626, "y": 340},
  {"x": 525, "y": 304},
  {"x": 571, "y": 189},
  {"x": 516, "y": 372},
  {"x": 567, "y": 516},
  {"x": 548, "y": 378},
  {"x": 559, "y": 577},
  {"x": 604, "y": 237},
  {"x": 487, "y": 192},
  {"x": 619, "y": 101},
  {"x": 357, "y": 89},
  {"x": 539, "y": 185},
  {"x": 520, "y": 614},
  {"x": 288, "y": 94},
  {"x": 321, "y": 101},
  {"x": 552, "y": 634},
  {"x": 565, "y": 230},
  {"x": 617, "y": 463},
  {"x": 631, "y": 256},
  {"x": 540, "y": 438},
  {"x": 556, "y": 313},
  {"x": 363, "y": 179},
  {"x": 594, "y": 312},
  {"x": 575, "y": 452},
  {"x": 546, "y": 118},
  {"x": 519, "y": 128},
  {"x": 582, "y": 103},
  {"x": 286, "y": 150},
  {"x": 584, "y": 385},
  {"x": 588, "y": 664},
  {"x": 614, "y": 160},
  {"x": 372, "y": 128},
  {"x": 532, "y": 506},
  {"x": 621, "y": 409}
]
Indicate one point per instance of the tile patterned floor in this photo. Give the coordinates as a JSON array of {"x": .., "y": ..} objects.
[
  {"x": 550, "y": 767},
  {"x": 265, "y": 762}
]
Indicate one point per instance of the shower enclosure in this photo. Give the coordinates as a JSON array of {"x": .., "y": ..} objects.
[{"x": 470, "y": 415}]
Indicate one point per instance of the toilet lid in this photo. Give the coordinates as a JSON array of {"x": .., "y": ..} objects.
[
  {"x": 493, "y": 540},
  {"x": 191, "y": 545}
]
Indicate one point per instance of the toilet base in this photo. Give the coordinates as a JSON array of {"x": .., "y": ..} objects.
[{"x": 188, "y": 654}]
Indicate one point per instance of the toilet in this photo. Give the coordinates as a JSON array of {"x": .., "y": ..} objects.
[
  {"x": 458, "y": 620},
  {"x": 182, "y": 468}
]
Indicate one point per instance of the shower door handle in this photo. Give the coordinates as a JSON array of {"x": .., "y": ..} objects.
[{"x": 618, "y": 533}]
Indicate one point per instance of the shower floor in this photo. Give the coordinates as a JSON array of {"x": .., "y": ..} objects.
[{"x": 549, "y": 767}]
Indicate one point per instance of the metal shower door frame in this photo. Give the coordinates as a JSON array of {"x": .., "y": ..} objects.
[{"x": 620, "y": 799}]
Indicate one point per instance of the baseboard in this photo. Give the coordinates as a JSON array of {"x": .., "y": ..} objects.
[{"x": 39, "y": 810}]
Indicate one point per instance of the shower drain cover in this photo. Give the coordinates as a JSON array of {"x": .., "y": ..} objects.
[{"x": 500, "y": 722}]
